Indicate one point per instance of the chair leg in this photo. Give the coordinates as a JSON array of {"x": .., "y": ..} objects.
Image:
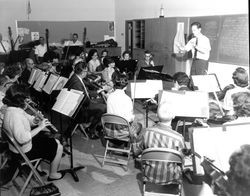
[
  {"x": 144, "y": 188},
  {"x": 105, "y": 154},
  {"x": 85, "y": 135},
  {"x": 29, "y": 178},
  {"x": 128, "y": 156}
]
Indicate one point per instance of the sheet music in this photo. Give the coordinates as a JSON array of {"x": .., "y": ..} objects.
[
  {"x": 34, "y": 75},
  {"x": 144, "y": 89},
  {"x": 187, "y": 103},
  {"x": 60, "y": 83},
  {"x": 207, "y": 83},
  {"x": 67, "y": 102},
  {"x": 40, "y": 81},
  {"x": 50, "y": 83},
  {"x": 218, "y": 144}
]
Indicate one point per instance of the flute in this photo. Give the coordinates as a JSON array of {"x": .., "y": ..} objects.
[{"x": 38, "y": 114}]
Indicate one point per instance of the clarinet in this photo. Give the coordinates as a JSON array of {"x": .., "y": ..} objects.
[{"x": 39, "y": 115}]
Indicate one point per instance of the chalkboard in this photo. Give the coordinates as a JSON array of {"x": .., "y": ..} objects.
[
  {"x": 61, "y": 30},
  {"x": 234, "y": 40},
  {"x": 229, "y": 37}
]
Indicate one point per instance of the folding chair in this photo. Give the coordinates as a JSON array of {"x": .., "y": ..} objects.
[
  {"x": 121, "y": 136},
  {"x": 82, "y": 127},
  {"x": 161, "y": 155},
  {"x": 32, "y": 164}
]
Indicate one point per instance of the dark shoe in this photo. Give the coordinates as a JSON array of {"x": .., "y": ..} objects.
[
  {"x": 41, "y": 173},
  {"x": 93, "y": 136},
  {"x": 53, "y": 179}
]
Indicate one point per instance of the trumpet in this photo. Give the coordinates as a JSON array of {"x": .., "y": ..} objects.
[{"x": 28, "y": 102}]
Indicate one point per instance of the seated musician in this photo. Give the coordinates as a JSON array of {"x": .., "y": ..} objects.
[
  {"x": 3, "y": 88},
  {"x": 20, "y": 124},
  {"x": 74, "y": 42},
  {"x": 240, "y": 78},
  {"x": 126, "y": 55},
  {"x": 239, "y": 173},
  {"x": 28, "y": 66},
  {"x": 146, "y": 62},
  {"x": 104, "y": 54},
  {"x": 241, "y": 105},
  {"x": 13, "y": 72},
  {"x": 161, "y": 135},
  {"x": 40, "y": 50},
  {"x": 107, "y": 73},
  {"x": 92, "y": 60},
  {"x": 92, "y": 110},
  {"x": 120, "y": 104},
  {"x": 182, "y": 82}
]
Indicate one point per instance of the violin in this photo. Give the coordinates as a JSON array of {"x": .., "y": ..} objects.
[{"x": 218, "y": 177}]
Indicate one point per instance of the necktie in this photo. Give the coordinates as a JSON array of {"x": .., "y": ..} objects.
[{"x": 195, "y": 50}]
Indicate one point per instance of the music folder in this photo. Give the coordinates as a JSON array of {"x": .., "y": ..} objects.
[{"x": 67, "y": 102}]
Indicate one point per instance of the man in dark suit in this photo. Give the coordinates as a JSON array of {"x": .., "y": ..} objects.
[{"x": 91, "y": 110}]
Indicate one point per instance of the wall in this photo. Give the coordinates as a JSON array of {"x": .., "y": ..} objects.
[
  {"x": 54, "y": 10},
  {"x": 131, "y": 9}
]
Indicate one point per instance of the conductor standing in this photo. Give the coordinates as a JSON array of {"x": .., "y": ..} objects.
[{"x": 200, "y": 46}]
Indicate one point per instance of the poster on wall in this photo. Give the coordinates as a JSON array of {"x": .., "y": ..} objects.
[{"x": 34, "y": 36}]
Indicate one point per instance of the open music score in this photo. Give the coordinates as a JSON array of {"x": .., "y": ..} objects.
[
  {"x": 218, "y": 143},
  {"x": 40, "y": 81},
  {"x": 207, "y": 83},
  {"x": 55, "y": 82},
  {"x": 34, "y": 75},
  {"x": 187, "y": 103},
  {"x": 67, "y": 102}
]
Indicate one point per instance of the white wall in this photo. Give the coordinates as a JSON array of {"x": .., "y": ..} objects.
[
  {"x": 136, "y": 9},
  {"x": 54, "y": 10}
]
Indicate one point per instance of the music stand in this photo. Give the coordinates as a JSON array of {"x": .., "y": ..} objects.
[
  {"x": 144, "y": 89},
  {"x": 72, "y": 50},
  {"x": 143, "y": 74},
  {"x": 72, "y": 170}
]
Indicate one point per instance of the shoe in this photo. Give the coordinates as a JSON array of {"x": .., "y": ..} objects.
[
  {"x": 53, "y": 179},
  {"x": 93, "y": 136}
]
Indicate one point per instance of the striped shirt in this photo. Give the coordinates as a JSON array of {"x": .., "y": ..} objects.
[{"x": 156, "y": 137}]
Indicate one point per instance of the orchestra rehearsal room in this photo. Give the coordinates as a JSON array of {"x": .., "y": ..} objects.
[{"x": 124, "y": 97}]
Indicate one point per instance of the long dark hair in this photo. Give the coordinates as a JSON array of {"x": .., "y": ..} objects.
[
  {"x": 15, "y": 96},
  {"x": 90, "y": 54}
]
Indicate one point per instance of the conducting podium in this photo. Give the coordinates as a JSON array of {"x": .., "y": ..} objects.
[{"x": 68, "y": 103}]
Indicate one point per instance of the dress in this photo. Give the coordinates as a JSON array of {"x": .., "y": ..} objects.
[
  {"x": 19, "y": 123},
  {"x": 160, "y": 136}
]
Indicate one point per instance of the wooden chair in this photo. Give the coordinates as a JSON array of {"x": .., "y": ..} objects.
[
  {"x": 165, "y": 155},
  {"x": 120, "y": 134},
  {"x": 82, "y": 127},
  {"x": 32, "y": 164}
]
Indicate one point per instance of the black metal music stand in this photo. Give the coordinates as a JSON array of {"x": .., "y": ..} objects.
[{"x": 72, "y": 170}]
